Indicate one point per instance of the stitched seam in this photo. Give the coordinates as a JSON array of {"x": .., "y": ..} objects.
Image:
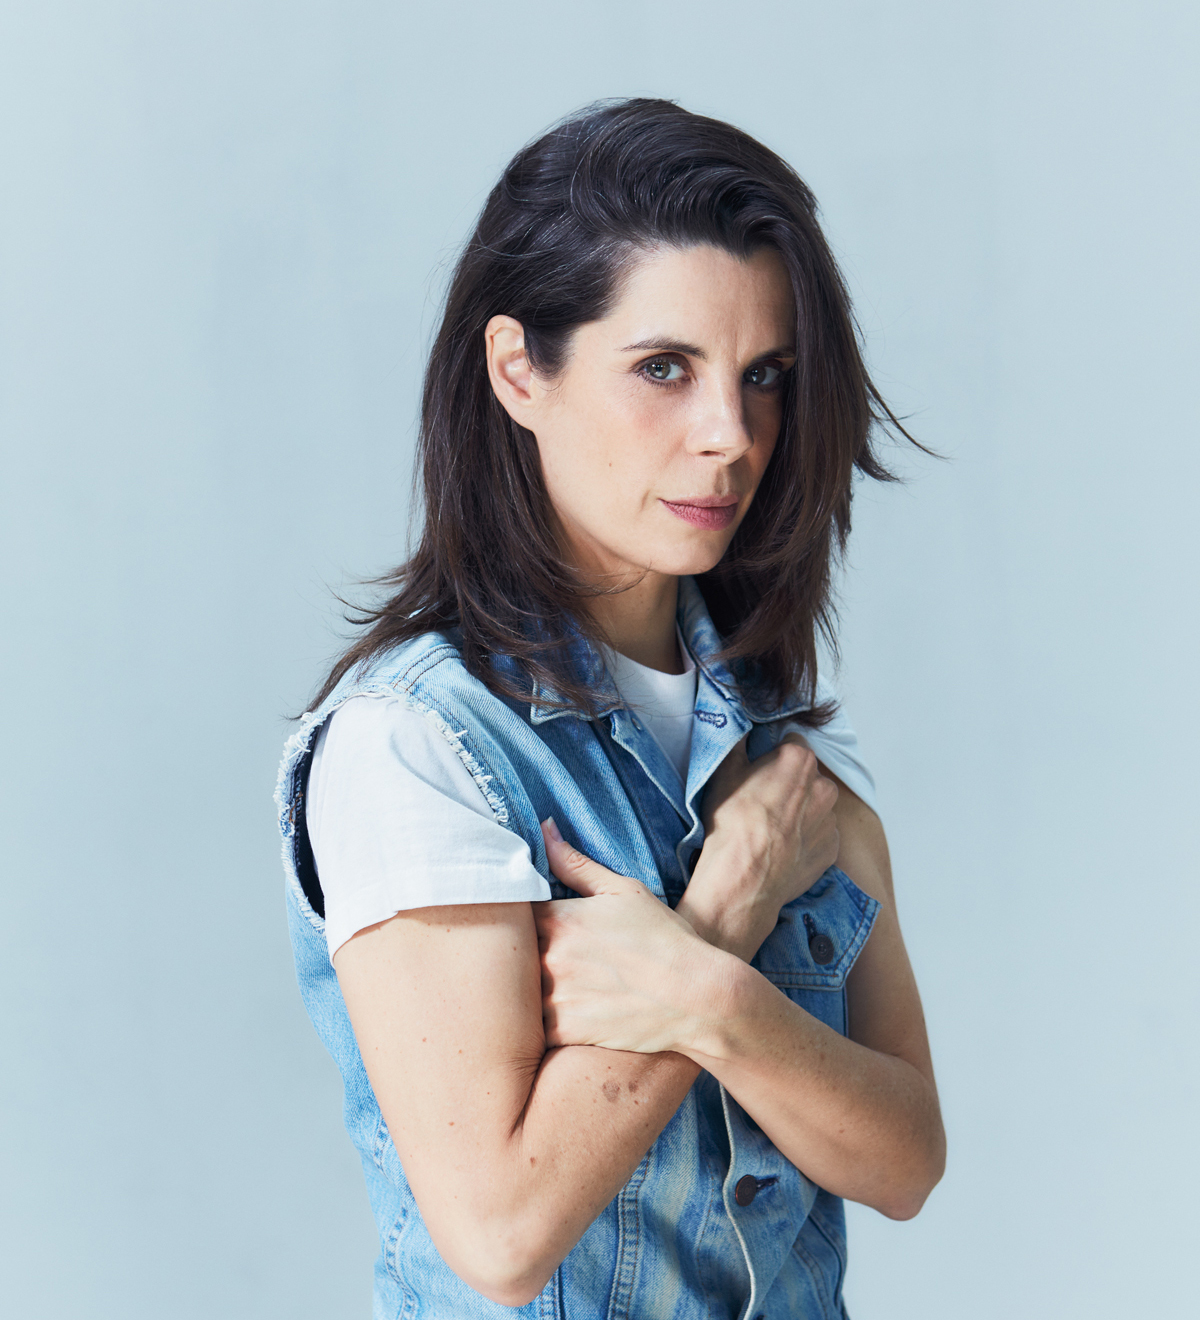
[
  {"x": 817, "y": 1275},
  {"x": 628, "y": 1242},
  {"x": 391, "y": 1260},
  {"x": 839, "y": 1252},
  {"x": 408, "y": 677},
  {"x": 548, "y": 1308},
  {"x": 379, "y": 1145},
  {"x": 702, "y": 1273}
]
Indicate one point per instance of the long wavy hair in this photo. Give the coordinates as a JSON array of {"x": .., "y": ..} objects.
[{"x": 568, "y": 216}]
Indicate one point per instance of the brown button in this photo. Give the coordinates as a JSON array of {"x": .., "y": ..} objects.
[
  {"x": 745, "y": 1189},
  {"x": 822, "y": 950}
]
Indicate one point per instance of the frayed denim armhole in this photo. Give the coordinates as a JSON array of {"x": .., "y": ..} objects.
[{"x": 483, "y": 780}]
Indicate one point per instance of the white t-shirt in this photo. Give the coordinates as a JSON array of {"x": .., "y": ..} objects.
[
  {"x": 397, "y": 821},
  {"x": 666, "y": 703}
]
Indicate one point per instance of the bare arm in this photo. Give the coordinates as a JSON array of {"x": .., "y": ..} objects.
[
  {"x": 859, "y": 1115},
  {"x": 511, "y": 1150}
]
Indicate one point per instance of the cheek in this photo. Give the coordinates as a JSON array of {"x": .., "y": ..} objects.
[
  {"x": 636, "y": 416},
  {"x": 765, "y": 417},
  {"x": 590, "y": 459},
  {"x": 625, "y": 438}
]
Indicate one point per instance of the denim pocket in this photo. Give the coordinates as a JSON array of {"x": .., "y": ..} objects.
[{"x": 815, "y": 942}]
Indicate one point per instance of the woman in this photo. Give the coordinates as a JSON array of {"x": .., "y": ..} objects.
[{"x": 587, "y": 726}]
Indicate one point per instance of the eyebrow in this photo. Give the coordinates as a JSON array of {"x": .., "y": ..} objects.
[
  {"x": 692, "y": 350},
  {"x": 666, "y": 346}
]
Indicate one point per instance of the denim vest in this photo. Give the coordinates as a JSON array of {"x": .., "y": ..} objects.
[{"x": 714, "y": 1221}]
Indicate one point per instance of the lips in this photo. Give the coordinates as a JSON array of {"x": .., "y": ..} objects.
[{"x": 712, "y": 512}]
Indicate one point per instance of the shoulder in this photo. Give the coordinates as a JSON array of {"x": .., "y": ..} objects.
[
  {"x": 426, "y": 704},
  {"x": 368, "y": 731},
  {"x": 401, "y": 668},
  {"x": 836, "y": 744},
  {"x": 427, "y": 672}
]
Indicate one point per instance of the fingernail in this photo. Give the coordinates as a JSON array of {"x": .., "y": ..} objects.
[{"x": 552, "y": 829}]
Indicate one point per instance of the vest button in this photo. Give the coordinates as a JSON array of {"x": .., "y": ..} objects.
[
  {"x": 822, "y": 950},
  {"x": 745, "y": 1189}
]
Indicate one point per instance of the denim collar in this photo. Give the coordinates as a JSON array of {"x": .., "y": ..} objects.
[{"x": 702, "y": 641}]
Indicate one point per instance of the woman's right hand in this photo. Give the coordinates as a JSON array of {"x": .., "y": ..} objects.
[{"x": 770, "y": 833}]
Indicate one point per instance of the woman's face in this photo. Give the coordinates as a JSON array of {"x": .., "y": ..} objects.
[{"x": 655, "y": 435}]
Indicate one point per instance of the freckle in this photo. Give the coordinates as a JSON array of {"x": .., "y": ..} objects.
[
  {"x": 610, "y": 1091},
  {"x": 533, "y": 1159}
]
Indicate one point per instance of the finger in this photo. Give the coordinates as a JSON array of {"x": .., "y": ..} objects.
[
  {"x": 795, "y": 755},
  {"x": 578, "y": 872},
  {"x": 823, "y": 794},
  {"x": 551, "y": 1033}
]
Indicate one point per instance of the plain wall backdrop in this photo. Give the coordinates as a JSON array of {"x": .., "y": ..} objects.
[{"x": 225, "y": 229}]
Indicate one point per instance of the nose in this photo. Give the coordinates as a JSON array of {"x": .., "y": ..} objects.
[{"x": 721, "y": 429}]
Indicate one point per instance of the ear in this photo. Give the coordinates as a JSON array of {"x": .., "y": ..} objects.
[{"x": 509, "y": 370}]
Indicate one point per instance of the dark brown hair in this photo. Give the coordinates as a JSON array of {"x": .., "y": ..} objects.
[{"x": 566, "y": 218}]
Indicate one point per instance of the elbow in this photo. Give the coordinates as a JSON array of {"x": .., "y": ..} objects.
[
  {"x": 514, "y": 1293},
  {"x": 907, "y": 1195},
  {"x": 903, "y": 1205},
  {"x": 499, "y": 1267},
  {"x": 513, "y": 1290}
]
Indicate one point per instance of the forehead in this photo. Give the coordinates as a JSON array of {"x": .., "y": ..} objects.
[{"x": 703, "y": 292}]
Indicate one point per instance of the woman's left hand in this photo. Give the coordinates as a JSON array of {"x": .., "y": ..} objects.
[{"x": 619, "y": 967}]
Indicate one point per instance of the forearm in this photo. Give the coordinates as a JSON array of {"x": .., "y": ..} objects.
[
  {"x": 859, "y": 1116},
  {"x": 591, "y": 1115},
  {"x": 861, "y": 1123},
  {"x": 587, "y": 1117}
]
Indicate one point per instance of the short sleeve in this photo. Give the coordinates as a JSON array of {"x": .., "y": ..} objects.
[
  {"x": 835, "y": 745},
  {"x": 397, "y": 821}
]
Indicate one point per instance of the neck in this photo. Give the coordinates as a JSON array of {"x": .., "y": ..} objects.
[{"x": 640, "y": 622}]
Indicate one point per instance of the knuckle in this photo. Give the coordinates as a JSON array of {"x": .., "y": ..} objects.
[
  {"x": 793, "y": 754},
  {"x": 825, "y": 793}
]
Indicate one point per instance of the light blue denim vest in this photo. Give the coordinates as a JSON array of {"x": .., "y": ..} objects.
[{"x": 714, "y": 1221}]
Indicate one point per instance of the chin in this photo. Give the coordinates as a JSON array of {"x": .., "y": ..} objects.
[{"x": 680, "y": 561}]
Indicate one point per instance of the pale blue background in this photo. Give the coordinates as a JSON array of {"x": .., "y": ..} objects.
[{"x": 225, "y": 228}]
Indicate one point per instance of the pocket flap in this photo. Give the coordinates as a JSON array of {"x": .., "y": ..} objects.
[{"x": 819, "y": 935}]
